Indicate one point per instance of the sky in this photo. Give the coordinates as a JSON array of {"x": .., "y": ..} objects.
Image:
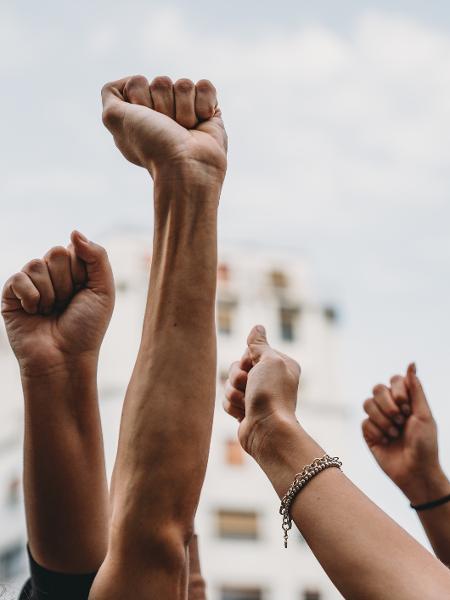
[{"x": 338, "y": 116}]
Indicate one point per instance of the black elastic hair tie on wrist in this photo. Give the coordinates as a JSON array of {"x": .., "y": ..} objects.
[{"x": 432, "y": 504}]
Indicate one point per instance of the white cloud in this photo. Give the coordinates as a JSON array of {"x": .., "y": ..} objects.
[{"x": 363, "y": 112}]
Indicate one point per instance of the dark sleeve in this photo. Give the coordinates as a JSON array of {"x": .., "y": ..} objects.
[
  {"x": 49, "y": 585},
  {"x": 27, "y": 591}
]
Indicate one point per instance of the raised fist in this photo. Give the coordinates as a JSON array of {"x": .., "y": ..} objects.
[
  {"x": 166, "y": 124},
  {"x": 261, "y": 391},
  {"x": 57, "y": 309},
  {"x": 402, "y": 435}
]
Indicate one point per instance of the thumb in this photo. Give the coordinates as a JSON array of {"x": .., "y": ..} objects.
[
  {"x": 215, "y": 128},
  {"x": 257, "y": 343},
  {"x": 419, "y": 403},
  {"x": 95, "y": 258},
  {"x": 113, "y": 103}
]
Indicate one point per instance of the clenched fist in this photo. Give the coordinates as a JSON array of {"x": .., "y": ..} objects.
[
  {"x": 166, "y": 124},
  {"x": 57, "y": 309},
  {"x": 402, "y": 435},
  {"x": 261, "y": 391}
]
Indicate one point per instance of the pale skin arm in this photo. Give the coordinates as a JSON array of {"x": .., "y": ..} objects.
[
  {"x": 402, "y": 435},
  {"x": 365, "y": 554},
  {"x": 47, "y": 307},
  {"x": 167, "y": 416}
]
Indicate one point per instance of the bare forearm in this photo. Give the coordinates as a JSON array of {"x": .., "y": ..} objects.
[
  {"x": 64, "y": 473},
  {"x": 427, "y": 487},
  {"x": 170, "y": 399},
  {"x": 351, "y": 537}
]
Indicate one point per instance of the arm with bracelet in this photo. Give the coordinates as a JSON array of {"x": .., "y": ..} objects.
[
  {"x": 352, "y": 538},
  {"x": 402, "y": 435}
]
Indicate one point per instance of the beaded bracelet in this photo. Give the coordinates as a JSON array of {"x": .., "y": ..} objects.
[{"x": 300, "y": 481}]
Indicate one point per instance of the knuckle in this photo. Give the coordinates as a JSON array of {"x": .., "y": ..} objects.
[
  {"x": 16, "y": 279},
  {"x": 295, "y": 366},
  {"x": 137, "y": 81},
  {"x": 111, "y": 116},
  {"x": 277, "y": 361},
  {"x": 379, "y": 388},
  {"x": 365, "y": 426},
  {"x": 235, "y": 395},
  {"x": 106, "y": 87},
  {"x": 205, "y": 86},
  {"x": 368, "y": 404},
  {"x": 56, "y": 252},
  {"x": 184, "y": 85},
  {"x": 238, "y": 379},
  {"x": 396, "y": 379},
  {"x": 34, "y": 266},
  {"x": 234, "y": 365},
  {"x": 161, "y": 83}
]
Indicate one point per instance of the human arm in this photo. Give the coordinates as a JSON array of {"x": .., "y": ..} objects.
[
  {"x": 401, "y": 433},
  {"x": 167, "y": 415},
  {"x": 56, "y": 311},
  {"x": 366, "y": 554}
]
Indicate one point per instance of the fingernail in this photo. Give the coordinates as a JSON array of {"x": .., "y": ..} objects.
[
  {"x": 393, "y": 432},
  {"x": 399, "y": 419},
  {"x": 412, "y": 368},
  {"x": 406, "y": 409},
  {"x": 261, "y": 330}
]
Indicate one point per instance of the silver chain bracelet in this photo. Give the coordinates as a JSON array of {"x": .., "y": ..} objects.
[{"x": 300, "y": 481}]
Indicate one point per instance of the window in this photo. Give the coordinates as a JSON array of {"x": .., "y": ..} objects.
[
  {"x": 121, "y": 286},
  {"x": 330, "y": 314},
  {"x": 288, "y": 322},
  {"x": 279, "y": 279},
  {"x": 225, "y": 310},
  {"x": 11, "y": 560},
  {"x": 237, "y": 525},
  {"x": 234, "y": 453},
  {"x": 234, "y": 593},
  {"x": 311, "y": 595}
]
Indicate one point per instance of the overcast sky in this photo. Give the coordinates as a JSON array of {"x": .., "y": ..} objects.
[{"x": 338, "y": 116}]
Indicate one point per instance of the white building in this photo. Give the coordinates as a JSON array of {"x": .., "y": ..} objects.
[{"x": 241, "y": 542}]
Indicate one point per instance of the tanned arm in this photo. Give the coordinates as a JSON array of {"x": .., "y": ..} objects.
[
  {"x": 402, "y": 435},
  {"x": 56, "y": 312},
  {"x": 176, "y": 132}
]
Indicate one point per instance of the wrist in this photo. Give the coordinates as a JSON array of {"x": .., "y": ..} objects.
[
  {"x": 189, "y": 171},
  {"x": 83, "y": 365},
  {"x": 282, "y": 448},
  {"x": 272, "y": 438},
  {"x": 427, "y": 486}
]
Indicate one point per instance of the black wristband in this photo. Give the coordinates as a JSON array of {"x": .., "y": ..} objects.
[{"x": 432, "y": 504}]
